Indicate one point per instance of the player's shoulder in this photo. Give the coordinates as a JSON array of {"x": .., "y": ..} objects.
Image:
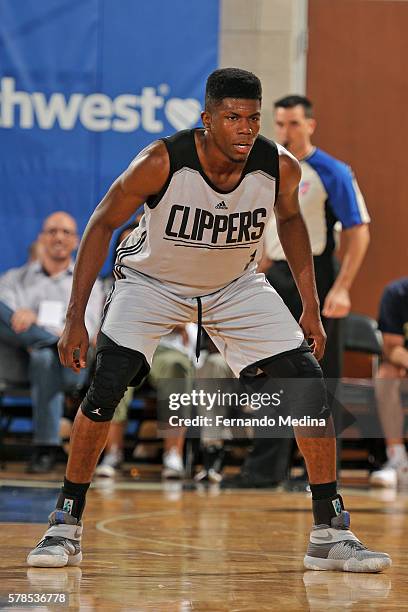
[
  {"x": 181, "y": 150},
  {"x": 288, "y": 164},
  {"x": 262, "y": 143},
  {"x": 324, "y": 162},
  {"x": 179, "y": 144},
  {"x": 178, "y": 137},
  {"x": 152, "y": 160},
  {"x": 263, "y": 158},
  {"x": 152, "y": 153}
]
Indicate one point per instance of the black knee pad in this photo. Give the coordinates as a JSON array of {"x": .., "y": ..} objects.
[
  {"x": 299, "y": 376},
  {"x": 117, "y": 368}
]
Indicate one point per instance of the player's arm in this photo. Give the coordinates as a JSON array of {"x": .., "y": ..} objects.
[
  {"x": 356, "y": 239},
  {"x": 296, "y": 245},
  {"x": 145, "y": 176}
]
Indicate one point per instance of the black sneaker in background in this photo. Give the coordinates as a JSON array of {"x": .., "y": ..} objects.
[
  {"x": 244, "y": 480},
  {"x": 42, "y": 460}
]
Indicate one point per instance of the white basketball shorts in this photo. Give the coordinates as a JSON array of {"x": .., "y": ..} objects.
[{"x": 247, "y": 320}]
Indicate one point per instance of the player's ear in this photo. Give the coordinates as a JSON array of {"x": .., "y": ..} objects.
[{"x": 206, "y": 119}]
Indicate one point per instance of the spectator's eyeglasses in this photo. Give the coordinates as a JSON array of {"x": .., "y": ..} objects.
[{"x": 53, "y": 231}]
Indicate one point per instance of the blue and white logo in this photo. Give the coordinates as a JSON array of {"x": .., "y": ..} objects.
[
  {"x": 85, "y": 86},
  {"x": 96, "y": 112},
  {"x": 68, "y": 505},
  {"x": 337, "y": 506}
]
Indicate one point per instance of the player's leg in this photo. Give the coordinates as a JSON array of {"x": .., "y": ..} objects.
[
  {"x": 332, "y": 545},
  {"x": 254, "y": 322},
  {"x": 116, "y": 368},
  {"x": 114, "y": 449},
  {"x": 139, "y": 313}
]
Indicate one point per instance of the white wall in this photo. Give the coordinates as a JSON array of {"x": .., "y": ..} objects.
[{"x": 268, "y": 37}]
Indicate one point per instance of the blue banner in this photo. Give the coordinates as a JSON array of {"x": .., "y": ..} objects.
[{"x": 84, "y": 85}]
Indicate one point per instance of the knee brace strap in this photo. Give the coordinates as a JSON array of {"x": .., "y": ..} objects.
[{"x": 116, "y": 367}]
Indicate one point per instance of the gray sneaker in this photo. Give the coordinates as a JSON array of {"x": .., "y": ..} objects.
[
  {"x": 337, "y": 548},
  {"x": 61, "y": 543}
]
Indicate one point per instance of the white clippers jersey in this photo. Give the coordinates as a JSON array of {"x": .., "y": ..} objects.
[{"x": 194, "y": 237}]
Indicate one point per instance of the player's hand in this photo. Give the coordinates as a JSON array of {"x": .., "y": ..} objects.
[
  {"x": 73, "y": 346},
  {"x": 313, "y": 329},
  {"x": 337, "y": 304},
  {"x": 22, "y": 319}
]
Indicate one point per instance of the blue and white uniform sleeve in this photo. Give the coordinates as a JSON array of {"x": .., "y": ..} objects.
[{"x": 344, "y": 195}]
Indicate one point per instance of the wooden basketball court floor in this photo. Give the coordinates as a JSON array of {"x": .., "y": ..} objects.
[{"x": 156, "y": 547}]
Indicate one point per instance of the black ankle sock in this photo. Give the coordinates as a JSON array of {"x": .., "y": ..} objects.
[
  {"x": 327, "y": 503},
  {"x": 72, "y": 498},
  {"x": 323, "y": 491}
]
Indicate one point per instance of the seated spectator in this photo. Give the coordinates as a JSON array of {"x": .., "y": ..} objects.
[
  {"x": 33, "y": 303},
  {"x": 393, "y": 323},
  {"x": 174, "y": 359},
  {"x": 212, "y": 439}
]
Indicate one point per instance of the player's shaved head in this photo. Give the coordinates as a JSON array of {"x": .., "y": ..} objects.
[{"x": 231, "y": 83}]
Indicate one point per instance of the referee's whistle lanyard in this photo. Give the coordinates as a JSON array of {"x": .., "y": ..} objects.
[{"x": 199, "y": 326}]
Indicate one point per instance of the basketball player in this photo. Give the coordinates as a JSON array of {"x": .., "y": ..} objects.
[{"x": 208, "y": 194}]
